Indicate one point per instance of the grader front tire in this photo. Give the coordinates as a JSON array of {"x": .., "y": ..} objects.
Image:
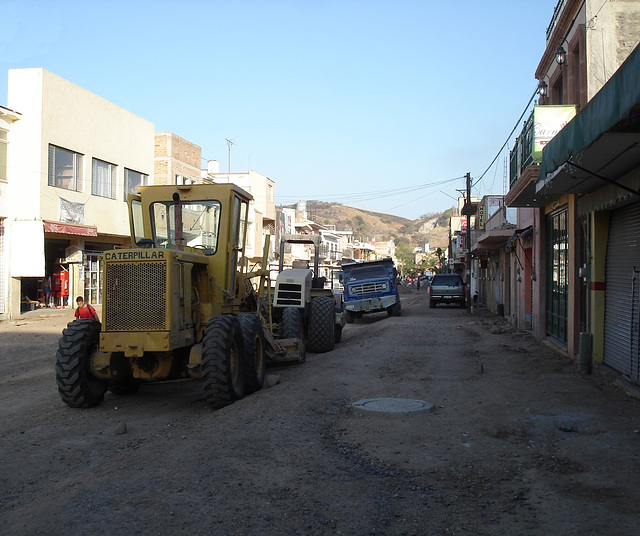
[
  {"x": 293, "y": 328},
  {"x": 77, "y": 387},
  {"x": 292, "y": 324}
]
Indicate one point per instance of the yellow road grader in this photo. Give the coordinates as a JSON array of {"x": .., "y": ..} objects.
[{"x": 181, "y": 302}]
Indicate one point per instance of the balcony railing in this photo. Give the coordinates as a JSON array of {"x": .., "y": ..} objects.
[
  {"x": 554, "y": 19},
  {"x": 328, "y": 254},
  {"x": 522, "y": 154}
]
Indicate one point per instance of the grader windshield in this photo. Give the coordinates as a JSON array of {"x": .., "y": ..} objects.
[{"x": 192, "y": 223}]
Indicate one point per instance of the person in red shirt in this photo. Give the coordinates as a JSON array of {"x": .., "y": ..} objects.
[{"x": 85, "y": 310}]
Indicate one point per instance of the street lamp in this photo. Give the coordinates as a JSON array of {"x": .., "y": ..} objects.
[
  {"x": 561, "y": 55},
  {"x": 543, "y": 88}
]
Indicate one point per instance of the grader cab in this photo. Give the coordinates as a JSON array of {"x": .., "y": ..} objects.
[{"x": 179, "y": 303}]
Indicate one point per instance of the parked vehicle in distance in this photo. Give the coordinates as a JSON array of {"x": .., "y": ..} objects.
[
  {"x": 370, "y": 287},
  {"x": 447, "y": 288}
]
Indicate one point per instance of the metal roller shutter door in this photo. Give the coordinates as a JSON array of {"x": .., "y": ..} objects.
[{"x": 622, "y": 292}]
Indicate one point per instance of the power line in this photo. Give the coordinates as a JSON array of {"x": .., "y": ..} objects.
[
  {"x": 368, "y": 196},
  {"x": 509, "y": 137}
]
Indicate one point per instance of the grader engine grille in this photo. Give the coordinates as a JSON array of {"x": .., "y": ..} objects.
[
  {"x": 289, "y": 294},
  {"x": 136, "y": 296}
]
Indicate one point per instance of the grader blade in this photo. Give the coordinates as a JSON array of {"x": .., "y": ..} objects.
[
  {"x": 284, "y": 351},
  {"x": 289, "y": 351}
]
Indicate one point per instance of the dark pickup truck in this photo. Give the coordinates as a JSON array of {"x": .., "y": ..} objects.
[{"x": 447, "y": 288}]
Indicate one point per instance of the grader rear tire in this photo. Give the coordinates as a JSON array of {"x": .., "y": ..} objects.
[
  {"x": 254, "y": 352},
  {"x": 222, "y": 361},
  {"x": 321, "y": 321},
  {"x": 77, "y": 387}
]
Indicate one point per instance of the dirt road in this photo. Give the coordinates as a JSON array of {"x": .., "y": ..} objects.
[{"x": 517, "y": 441}]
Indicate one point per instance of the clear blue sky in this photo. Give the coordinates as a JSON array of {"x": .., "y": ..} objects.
[{"x": 383, "y": 105}]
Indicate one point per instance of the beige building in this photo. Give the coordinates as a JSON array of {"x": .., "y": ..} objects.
[
  {"x": 72, "y": 157},
  {"x": 7, "y": 119},
  {"x": 68, "y": 158}
]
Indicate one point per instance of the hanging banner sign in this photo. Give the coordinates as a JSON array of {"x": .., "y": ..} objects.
[{"x": 547, "y": 122}]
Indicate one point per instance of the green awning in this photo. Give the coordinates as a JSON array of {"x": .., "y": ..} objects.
[{"x": 601, "y": 142}]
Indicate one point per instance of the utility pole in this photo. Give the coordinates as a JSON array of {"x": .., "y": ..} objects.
[
  {"x": 468, "y": 242},
  {"x": 229, "y": 144}
]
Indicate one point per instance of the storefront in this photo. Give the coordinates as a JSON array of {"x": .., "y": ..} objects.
[
  {"x": 72, "y": 265},
  {"x": 592, "y": 254}
]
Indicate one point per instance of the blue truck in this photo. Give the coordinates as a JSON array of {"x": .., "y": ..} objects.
[{"x": 370, "y": 287}]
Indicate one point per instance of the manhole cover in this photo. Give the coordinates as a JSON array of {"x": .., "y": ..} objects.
[{"x": 393, "y": 405}]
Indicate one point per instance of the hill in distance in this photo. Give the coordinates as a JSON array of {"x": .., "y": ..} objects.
[{"x": 367, "y": 225}]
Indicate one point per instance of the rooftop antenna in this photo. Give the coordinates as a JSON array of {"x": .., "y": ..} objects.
[{"x": 229, "y": 144}]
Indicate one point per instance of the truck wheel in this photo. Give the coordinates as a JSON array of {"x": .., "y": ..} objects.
[
  {"x": 432, "y": 304},
  {"x": 395, "y": 309},
  {"x": 254, "y": 352},
  {"x": 77, "y": 387},
  {"x": 321, "y": 322},
  {"x": 350, "y": 317},
  {"x": 337, "y": 333},
  {"x": 222, "y": 363}
]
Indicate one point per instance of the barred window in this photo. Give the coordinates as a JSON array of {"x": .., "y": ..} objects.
[
  {"x": 65, "y": 169},
  {"x": 133, "y": 179},
  {"x": 103, "y": 179}
]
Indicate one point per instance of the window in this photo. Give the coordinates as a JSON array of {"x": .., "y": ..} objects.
[
  {"x": 369, "y": 272},
  {"x": 65, "y": 169},
  {"x": 103, "y": 179},
  {"x": 3, "y": 155},
  {"x": 199, "y": 226},
  {"x": 133, "y": 179}
]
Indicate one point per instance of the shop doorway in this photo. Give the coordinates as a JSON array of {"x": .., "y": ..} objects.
[
  {"x": 558, "y": 272},
  {"x": 53, "y": 289}
]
